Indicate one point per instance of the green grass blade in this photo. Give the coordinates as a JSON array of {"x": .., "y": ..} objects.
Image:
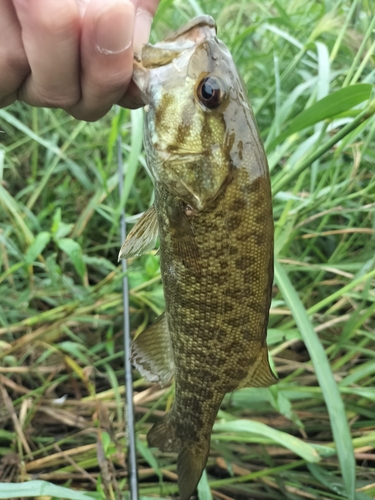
[
  {"x": 359, "y": 53},
  {"x": 36, "y": 248},
  {"x": 51, "y": 147},
  {"x": 290, "y": 442},
  {"x": 328, "y": 107},
  {"x": 32, "y": 489},
  {"x": 132, "y": 160},
  {"x": 340, "y": 37},
  {"x": 8, "y": 204},
  {"x": 331, "y": 394},
  {"x": 204, "y": 490},
  {"x": 286, "y": 179}
]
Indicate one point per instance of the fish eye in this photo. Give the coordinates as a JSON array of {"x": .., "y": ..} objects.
[{"x": 210, "y": 92}]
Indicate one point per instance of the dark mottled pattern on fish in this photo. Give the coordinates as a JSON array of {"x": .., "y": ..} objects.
[{"x": 218, "y": 315}]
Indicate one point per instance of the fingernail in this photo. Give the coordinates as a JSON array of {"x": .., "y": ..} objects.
[
  {"x": 114, "y": 27},
  {"x": 142, "y": 29}
]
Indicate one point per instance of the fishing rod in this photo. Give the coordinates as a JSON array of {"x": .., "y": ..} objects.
[{"x": 129, "y": 407}]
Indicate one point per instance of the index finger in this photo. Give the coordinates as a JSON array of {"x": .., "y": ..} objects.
[{"x": 144, "y": 13}]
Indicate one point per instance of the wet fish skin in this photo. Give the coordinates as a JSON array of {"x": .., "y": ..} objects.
[{"x": 214, "y": 212}]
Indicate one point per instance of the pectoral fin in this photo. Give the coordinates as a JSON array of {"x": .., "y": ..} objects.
[
  {"x": 187, "y": 250},
  {"x": 142, "y": 237},
  {"x": 152, "y": 352},
  {"x": 260, "y": 373}
]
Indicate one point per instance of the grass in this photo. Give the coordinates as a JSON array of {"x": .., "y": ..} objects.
[{"x": 310, "y": 70}]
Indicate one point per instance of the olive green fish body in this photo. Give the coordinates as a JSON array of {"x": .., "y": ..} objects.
[{"x": 214, "y": 213}]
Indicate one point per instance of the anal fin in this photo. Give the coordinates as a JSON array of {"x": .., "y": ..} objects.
[
  {"x": 142, "y": 237},
  {"x": 152, "y": 352},
  {"x": 260, "y": 373},
  {"x": 163, "y": 436}
]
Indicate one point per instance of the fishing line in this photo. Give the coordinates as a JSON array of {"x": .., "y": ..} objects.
[{"x": 129, "y": 408}]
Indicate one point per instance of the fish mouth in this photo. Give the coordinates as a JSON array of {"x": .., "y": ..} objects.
[{"x": 187, "y": 38}]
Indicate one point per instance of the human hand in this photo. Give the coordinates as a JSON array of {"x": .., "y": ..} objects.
[{"x": 72, "y": 54}]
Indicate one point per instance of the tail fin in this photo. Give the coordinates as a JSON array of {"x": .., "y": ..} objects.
[
  {"x": 191, "y": 462},
  {"x": 192, "y": 457}
]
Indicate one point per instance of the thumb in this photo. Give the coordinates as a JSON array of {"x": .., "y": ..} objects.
[{"x": 144, "y": 13}]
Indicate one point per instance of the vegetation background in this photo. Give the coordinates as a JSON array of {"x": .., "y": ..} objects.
[{"x": 310, "y": 68}]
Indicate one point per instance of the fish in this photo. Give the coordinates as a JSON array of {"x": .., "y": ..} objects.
[{"x": 213, "y": 216}]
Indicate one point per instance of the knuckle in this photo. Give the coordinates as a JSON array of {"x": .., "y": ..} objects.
[
  {"x": 130, "y": 103},
  {"x": 111, "y": 82},
  {"x": 7, "y": 100},
  {"x": 14, "y": 62},
  {"x": 88, "y": 115}
]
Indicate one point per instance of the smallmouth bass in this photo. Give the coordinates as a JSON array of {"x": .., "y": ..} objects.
[{"x": 213, "y": 214}]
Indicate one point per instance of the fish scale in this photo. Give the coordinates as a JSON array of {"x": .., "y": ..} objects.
[{"x": 213, "y": 211}]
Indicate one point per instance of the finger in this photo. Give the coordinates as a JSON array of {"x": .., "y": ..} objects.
[
  {"x": 50, "y": 34},
  {"x": 106, "y": 56},
  {"x": 145, "y": 11},
  {"x": 132, "y": 98},
  {"x": 13, "y": 61}
]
